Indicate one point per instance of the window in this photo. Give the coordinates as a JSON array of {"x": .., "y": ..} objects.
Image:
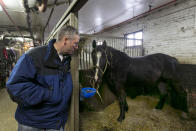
[{"x": 134, "y": 39}]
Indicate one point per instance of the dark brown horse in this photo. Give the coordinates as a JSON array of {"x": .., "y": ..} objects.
[{"x": 148, "y": 73}]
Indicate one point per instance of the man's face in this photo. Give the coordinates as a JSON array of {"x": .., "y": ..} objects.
[{"x": 70, "y": 44}]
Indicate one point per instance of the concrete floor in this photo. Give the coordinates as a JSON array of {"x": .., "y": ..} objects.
[{"x": 7, "y": 112}]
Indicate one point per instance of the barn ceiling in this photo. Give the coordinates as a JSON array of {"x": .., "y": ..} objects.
[
  {"x": 99, "y": 14},
  {"x": 94, "y": 16},
  {"x": 15, "y": 21}
]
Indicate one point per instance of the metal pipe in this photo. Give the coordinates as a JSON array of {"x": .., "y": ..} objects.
[
  {"x": 55, "y": 4},
  {"x": 138, "y": 16},
  {"x": 13, "y": 10},
  {"x": 11, "y": 36},
  {"x": 27, "y": 10},
  {"x": 51, "y": 12},
  {"x": 64, "y": 16},
  {"x": 10, "y": 18}
]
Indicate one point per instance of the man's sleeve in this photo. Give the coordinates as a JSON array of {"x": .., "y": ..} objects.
[{"x": 21, "y": 86}]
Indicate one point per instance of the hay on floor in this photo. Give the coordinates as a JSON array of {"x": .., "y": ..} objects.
[{"x": 141, "y": 116}]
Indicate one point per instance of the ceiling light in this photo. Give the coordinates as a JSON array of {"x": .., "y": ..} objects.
[
  {"x": 0, "y": 8},
  {"x": 98, "y": 20},
  {"x": 20, "y": 39}
]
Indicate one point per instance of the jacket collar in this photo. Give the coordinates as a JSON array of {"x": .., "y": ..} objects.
[{"x": 52, "y": 59}]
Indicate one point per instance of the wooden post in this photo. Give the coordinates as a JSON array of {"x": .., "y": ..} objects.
[
  {"x": 71, "y": 19},
  {"x": 73, "y": 119}
]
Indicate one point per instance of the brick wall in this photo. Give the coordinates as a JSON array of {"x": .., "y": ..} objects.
[{"x": 171, "y": 30}]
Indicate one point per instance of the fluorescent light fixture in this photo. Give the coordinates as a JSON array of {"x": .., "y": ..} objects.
[
  {"x": 20, "y": 39},
  {"x": 98, "y": 21},
  {"x": 1, "y": 8}
]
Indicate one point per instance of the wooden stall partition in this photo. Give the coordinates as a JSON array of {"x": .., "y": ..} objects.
[
  {"x": 70, "y": 18},
  {"x": 73, "y": 120}
]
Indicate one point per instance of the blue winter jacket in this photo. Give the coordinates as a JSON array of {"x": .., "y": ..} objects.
[{"x": 42, "y": 86}]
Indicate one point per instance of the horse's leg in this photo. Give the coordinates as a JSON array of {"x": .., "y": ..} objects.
[
  {"x": 119, "y": 90},
  {"x": 179, "y": 97},
  {"x": 126, "y": 105},
  {"x": 163, "y": 94},
  {"x": 122, "y": 101}
]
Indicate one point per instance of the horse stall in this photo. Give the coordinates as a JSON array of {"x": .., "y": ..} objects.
[
  {"x": 119, "y": 43},
  {"x": 100, "y": 113}
]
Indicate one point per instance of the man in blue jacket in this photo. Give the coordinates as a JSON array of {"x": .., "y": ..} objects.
[{"x": 41, "y": 84}]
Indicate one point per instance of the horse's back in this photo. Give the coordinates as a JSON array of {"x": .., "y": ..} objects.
[
  {"x": 152, "y": 67},
  {"x": 158, "y": 59},
  {"x": 160, "y": 56}
]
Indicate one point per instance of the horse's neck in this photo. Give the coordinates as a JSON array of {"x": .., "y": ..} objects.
[{"x": 119, "y": 58}]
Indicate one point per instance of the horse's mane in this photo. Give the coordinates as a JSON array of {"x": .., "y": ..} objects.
[
  {"x": 117, "y": 52},
  {"x": 117, "y": 57}
]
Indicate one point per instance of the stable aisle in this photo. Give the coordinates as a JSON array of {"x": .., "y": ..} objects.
[{"x": 7, "y": 112}]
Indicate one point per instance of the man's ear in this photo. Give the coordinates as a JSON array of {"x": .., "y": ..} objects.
[
  {"x": 64, "y": 40},
  {"x": 94, "y": 44}
]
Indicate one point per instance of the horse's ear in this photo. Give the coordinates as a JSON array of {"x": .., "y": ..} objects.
[
  {"x": 104, "y": 44},
  {"x": 94, "y": 44}
]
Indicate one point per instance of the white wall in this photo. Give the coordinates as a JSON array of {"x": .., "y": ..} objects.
[{"x": 171, "y": 30}]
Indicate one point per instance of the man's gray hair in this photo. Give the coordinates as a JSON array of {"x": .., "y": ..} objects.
[{"x": 68, "y": 31}]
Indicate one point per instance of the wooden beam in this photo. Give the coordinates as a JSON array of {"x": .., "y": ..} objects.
[
  {"x": 74, "y": 7},
  {"x": 73, "y": 119},
  {"x": 79, "y": 5}
]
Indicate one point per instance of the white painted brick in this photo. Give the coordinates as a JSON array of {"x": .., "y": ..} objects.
[{"x": 171, "y": 31}]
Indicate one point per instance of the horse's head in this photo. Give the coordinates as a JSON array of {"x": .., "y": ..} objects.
[{"x": 100, "y": 60}]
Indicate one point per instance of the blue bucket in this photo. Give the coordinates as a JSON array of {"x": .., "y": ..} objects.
[{"x": 88, "y": 92}]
